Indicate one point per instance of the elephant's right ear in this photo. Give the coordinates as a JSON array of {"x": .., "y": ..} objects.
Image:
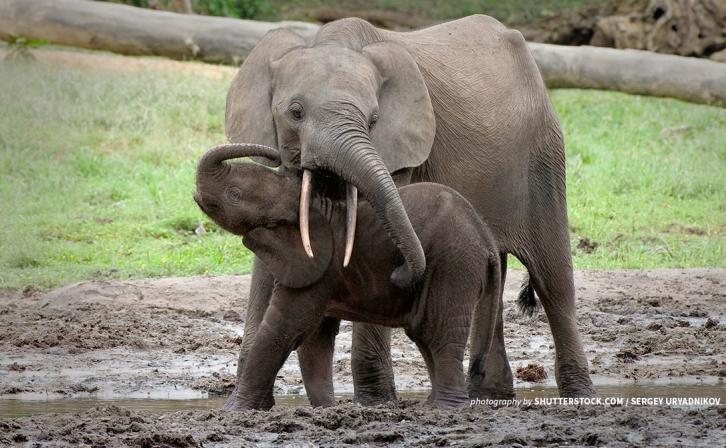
[{"x": 248, "y": 116}]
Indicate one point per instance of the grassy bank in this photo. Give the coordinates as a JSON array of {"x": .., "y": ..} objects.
[{"x": 96, "y": 177}]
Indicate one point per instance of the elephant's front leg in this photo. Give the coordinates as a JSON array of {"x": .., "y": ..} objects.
[
  {"x": 259, "y": 299},
  {"x": 373, "y": 381},
  {"x": 316, "y": 362},
  {"x": 292, "y": 315}
]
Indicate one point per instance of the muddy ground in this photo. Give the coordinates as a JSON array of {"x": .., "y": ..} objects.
[{"x": 178, "y": 338}]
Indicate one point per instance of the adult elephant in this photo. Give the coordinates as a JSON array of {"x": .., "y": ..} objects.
[{"x": 461, "y": 104}]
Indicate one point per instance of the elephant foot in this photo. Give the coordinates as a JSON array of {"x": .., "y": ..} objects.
[
  {"x": 236, "y": 403},
  {"x": 449, "y": 401},
  {"x": 578, "y": 390},
  {"x": 574, "y": 382},
  {"x": 372, "y": 398},
  {"x": 500, "y": 387}
]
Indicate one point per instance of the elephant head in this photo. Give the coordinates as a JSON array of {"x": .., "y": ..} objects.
[
  {"x": 261, "y": 205},
  {"x": 347, "y": 116}
]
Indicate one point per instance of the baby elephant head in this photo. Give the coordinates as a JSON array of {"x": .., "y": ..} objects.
[
  {"x": 262, "y": 205},
  {"x": 242, "y": 197}
]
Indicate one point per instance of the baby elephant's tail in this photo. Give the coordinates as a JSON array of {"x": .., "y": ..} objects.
[
  {"x": 484, "y": 326},
  {"x": 527, "y": 301}
]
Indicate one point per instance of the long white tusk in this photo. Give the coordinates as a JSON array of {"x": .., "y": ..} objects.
[
  {"x": 351, "y": 205},
  {"x": 305, "y": 212}
]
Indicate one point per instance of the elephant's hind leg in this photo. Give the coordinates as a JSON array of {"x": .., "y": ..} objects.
[
  {"x": 371, "y": 364},
  {"x": 315, "y": 355},
  {"x": 448, "y": 382},
  {"x": 496, "y": 382},
  {"x": 549, "y": 263},
  {"x": 443, "y": 331},
  {"x": 429, "y": 360}
]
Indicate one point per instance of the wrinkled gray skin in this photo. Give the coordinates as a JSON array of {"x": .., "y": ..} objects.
[
  {"x": 462, "y": 104},
  {"x": 312, "y": 294}
]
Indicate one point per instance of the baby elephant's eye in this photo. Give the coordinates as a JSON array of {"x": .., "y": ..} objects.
[
  {"x": 233, "y": 194},
  {"x": 296, "y": 111}
]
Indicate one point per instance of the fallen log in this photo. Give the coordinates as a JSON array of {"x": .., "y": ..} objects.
[
  {"x": 632, "y": 71},
  {"x": 136, "y": 31}
]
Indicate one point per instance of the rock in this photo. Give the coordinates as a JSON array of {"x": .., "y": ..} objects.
[
  {"x": 719, "y": 56},
  {"x": 682, "y": 27}
]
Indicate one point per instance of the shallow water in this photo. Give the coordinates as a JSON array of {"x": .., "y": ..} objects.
[{"x": 25, "y": 407}]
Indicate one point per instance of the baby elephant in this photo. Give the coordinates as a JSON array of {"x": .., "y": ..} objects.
[{"x": 311, "y": 294}]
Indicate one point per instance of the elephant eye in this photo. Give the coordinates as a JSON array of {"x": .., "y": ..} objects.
[
  {"x": 296, "y": 111},
  {"x": 373, "y": 121},
  {"x": 233, "y": 194}
]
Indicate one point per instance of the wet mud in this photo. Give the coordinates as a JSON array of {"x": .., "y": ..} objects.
[{"x": 177, "y": 338}]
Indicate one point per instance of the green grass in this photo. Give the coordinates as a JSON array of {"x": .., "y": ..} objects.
[
  {"x": 505, "y": 10},
  {"x": 646, "y": 179},
  {"x": 97, "y": 175}
]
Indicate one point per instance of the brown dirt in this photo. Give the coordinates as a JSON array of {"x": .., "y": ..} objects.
[
  {"x": 533, "y": 373},
  {"x": 407, "y": 423},
  {"x": 175, "y": 337}
]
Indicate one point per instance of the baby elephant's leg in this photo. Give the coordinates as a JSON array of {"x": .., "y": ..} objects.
[
  {"x": 291, "y": 317},
  {"x": 443, "y": 333},
  {"x": 429, "y": 359},
  {"x": 316, "y": 363},
  {"x": 489, "y": 373},
  {"x": 448, "y": 382}
]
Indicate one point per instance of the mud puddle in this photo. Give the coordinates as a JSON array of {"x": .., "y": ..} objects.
[{"x": 33, "y": 405}]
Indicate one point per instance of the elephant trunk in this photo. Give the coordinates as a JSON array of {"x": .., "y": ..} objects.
[
  {"x": 354, "y": 158},
  {"x": 212, "y": 160}
]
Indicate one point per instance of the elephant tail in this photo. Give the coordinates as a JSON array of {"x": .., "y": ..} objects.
[{"x": 527, "y": 300}]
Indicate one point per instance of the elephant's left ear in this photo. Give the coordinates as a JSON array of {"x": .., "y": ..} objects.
[
  {"x": 406, "y": 125},
  {"x": 281, "y": 249}
]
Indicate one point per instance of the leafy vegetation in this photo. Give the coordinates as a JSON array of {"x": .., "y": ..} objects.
[
  {"x": 19, "y": 47},
  {"x": 97, "y": 174},
  {"x": 242, "y": 9},
  {"x": 509, "y": 10}
]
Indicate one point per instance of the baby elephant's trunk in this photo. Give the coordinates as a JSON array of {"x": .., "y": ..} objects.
[{"x": 213, "y": 160}]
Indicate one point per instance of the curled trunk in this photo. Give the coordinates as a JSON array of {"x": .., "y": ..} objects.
[
  {"x": 212, "y": 159},
  {"x": 354, "y": 159}
]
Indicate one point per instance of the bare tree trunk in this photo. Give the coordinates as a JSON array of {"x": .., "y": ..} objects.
[
  {"x": 632, "y": 71},
  {"x": 135, "y": 31}
]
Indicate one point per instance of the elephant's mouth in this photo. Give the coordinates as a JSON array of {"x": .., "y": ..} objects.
[{"x": 330, "y": 186}]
